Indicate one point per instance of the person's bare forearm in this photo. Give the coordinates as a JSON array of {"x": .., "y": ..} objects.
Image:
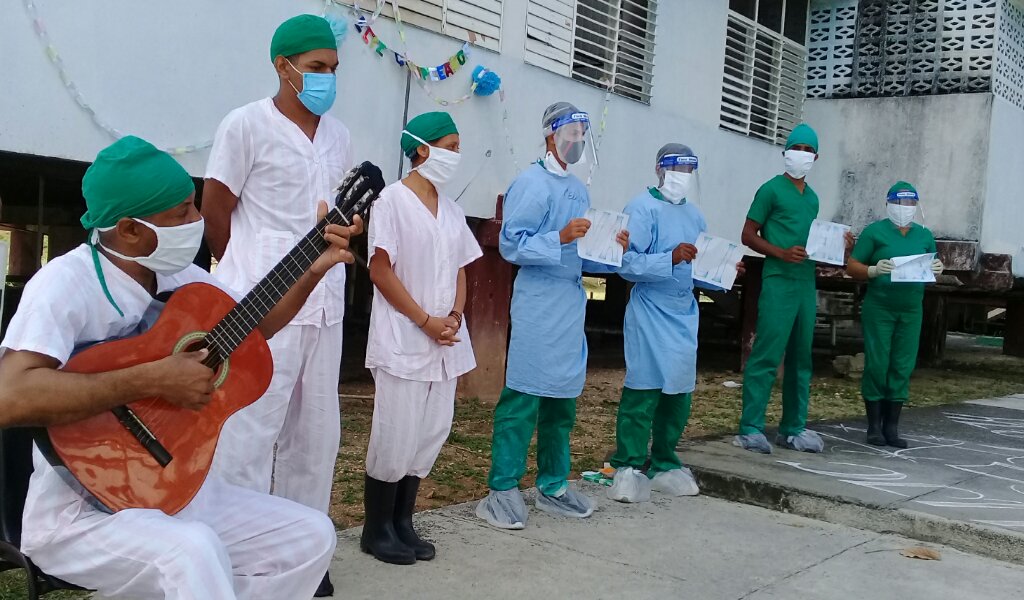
[
  {"x": 285, "y": 310},
  {"x": 460, "y": 292},
  {"x": 218, "y": 204},
  {"x": 752, "y": 239},
  {"x": 857, "y": 269},
  {"x": 385, "y": 279},
  {"x": 36, "y": 395}
]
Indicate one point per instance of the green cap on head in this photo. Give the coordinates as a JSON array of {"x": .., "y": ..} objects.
[
  {"x": 132, "y": 178},
  {"x": 302, "y": 34},
  {"x": 901, "y": 186},
  {"x": 802, "y": 134},
  {"x": 428, "y": 127}
]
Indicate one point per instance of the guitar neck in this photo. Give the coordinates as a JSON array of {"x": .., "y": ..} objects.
[{"x": 249, "y": 313}]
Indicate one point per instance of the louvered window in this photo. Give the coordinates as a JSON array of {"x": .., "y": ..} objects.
[
  {"x": 477, "y": 21},
  {"x": 596, "y": 42},
  {"x": 765, "y": 68}
]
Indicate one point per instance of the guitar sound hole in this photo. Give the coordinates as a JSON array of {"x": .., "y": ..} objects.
[
  {"x": 214, "y": 361},
  {"x": 196, "y": 345}
]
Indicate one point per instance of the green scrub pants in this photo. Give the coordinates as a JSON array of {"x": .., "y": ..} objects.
[
  {"x": 647, "y": 414},
  {"x": 891, "y": 338},
  {"x": 785, "y": 325},
  {"x": 515, "y": 418}
]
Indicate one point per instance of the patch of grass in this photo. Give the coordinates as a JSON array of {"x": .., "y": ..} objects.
[{"x": 12, "y": 587}]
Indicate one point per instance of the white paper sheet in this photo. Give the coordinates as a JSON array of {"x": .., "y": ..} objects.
[
  {"x": 916, "y": 268},
  {"x": 716, "y": 261},
  {"x": 827, "y": 242},
  {"x": 599, "y": 244}
]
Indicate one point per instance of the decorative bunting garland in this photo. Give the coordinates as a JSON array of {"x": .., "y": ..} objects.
[
  {"x": 484, "y": 81},
  {"x": 438, "y": 73}
]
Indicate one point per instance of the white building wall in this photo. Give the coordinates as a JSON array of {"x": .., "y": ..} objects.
[
  {"x": 170, "y": 71},
  {"x": 940, "y": 144},
  {"x": 1003, "y": 220}
]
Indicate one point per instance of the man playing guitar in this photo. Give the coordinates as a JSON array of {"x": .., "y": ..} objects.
[{"x": 228, "y": 542}]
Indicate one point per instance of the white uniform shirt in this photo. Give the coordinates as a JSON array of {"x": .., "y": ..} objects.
[
  {"x": 426, "y": 254},
  {"x": 279, "y": 175},
  {"x": 63, "y": 308}
]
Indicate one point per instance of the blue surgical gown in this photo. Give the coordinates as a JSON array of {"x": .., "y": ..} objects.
[
  {"x": 547, "y": 355},
  {"x": 660, "y": 326}
]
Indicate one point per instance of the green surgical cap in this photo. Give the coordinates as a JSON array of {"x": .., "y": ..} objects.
[
  {"x": 802, "y": 134},
  {"x": 428, "y": 127},
  {"x": 901, "y": 186},
  {"x": 302, "y": 34},
  {"x": 132, "y": 178}
]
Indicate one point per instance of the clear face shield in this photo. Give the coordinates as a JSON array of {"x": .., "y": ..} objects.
[
  {"x": 572, "y": 139},
  {"x": 678, "y": 178},
  {"x": 903, "y": 208}
]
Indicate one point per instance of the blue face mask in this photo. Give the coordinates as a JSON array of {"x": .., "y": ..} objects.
[{"x": 318, "y": 91}]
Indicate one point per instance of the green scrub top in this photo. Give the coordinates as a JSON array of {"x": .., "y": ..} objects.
[
  {"x": 785, "y": 216},
  {"x": 883, "y": 240}
]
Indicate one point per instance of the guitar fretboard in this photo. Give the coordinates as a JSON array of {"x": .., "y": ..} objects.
[{"x": 249, "y": 313}]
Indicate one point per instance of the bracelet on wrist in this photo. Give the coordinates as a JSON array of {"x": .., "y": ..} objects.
[{"x": 425, "y": 321}]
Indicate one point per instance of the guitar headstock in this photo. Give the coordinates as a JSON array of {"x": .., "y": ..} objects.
[{"x": 358, "y": 190}]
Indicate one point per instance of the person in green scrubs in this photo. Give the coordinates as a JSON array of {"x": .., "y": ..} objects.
[
  {"x": 891, "y": 312},
  {"x": 777, "y": 226}
]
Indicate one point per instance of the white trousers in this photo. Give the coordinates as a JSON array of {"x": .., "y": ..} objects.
[
  {"x": 411, "y": 421},
  {"x": 227, "y": 543},
  {"x": 300, "y": 414}
]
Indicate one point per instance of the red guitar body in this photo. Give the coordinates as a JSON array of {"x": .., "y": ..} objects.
[{"x": 109, "y": 462}]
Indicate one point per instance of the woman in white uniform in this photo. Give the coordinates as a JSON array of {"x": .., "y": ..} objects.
[{"x": 418, "y": 344}]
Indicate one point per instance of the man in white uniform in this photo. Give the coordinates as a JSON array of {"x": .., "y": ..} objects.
[
  {"x": 417, "y": 345},
  {"x": 271, "y": 162},
  {"x": 229, "y": 542}
]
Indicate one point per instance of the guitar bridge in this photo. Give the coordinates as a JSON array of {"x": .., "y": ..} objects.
[{"x": 140, "y": 432}]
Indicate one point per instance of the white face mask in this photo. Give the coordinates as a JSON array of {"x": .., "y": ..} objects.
[
  {"x": 440, "y": 165},
  {"x": 901, "y": 216},
  {"x": 176, "y": 247},
  {"x": 553, "y": 166},
  {"x": 798, "y": 163},
  {"x": 676, "y": 186}
]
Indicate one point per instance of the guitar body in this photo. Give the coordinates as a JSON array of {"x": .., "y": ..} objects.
[{"x": 112, "y": 464}]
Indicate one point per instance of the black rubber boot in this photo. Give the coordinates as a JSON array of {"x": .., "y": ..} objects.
[
  {"x": 326, "y": 588},
  {"x": 874, "y": 413},
  {"x": 405, "y": 506},
  {"x": 379, "y": 537},
  {"x": 891, "y": 423}
]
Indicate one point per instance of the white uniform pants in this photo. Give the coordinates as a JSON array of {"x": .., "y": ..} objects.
[
  {"x": 227, "y": 543},
  {"x": 411, "y": 421},
  {"x": 299, "y": 413}
]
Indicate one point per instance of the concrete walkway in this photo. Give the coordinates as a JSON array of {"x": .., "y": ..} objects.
[
  {"x": 961, "y": 481},
  {"x": 701, "y": 547}
]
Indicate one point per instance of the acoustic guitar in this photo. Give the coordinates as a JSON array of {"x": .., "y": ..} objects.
[{"x": 153, "y": 454}]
